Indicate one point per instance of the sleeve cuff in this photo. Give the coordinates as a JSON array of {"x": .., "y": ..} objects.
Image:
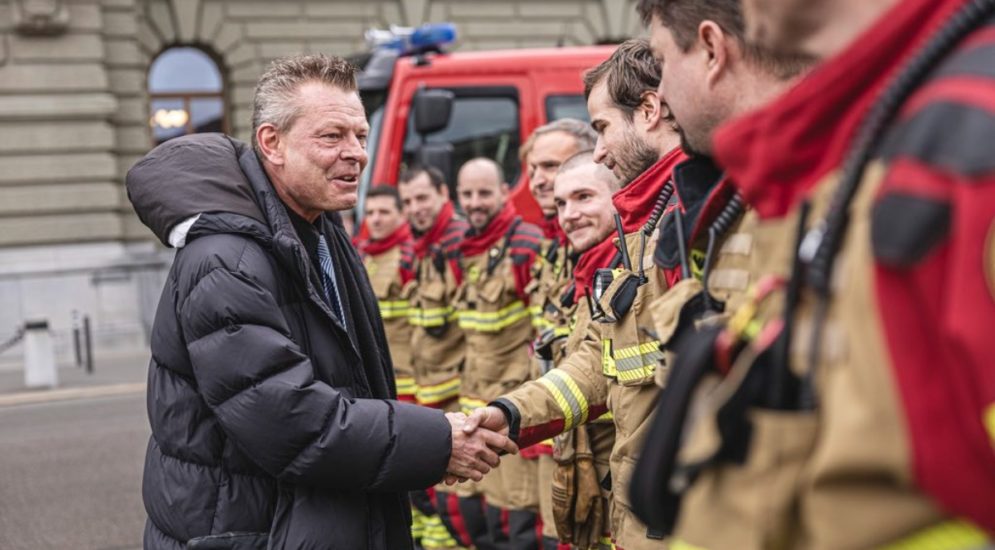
[{"x": 511, "y": 415}]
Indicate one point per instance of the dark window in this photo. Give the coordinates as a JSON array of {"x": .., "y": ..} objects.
[
  {"x": 567, "y": 106},
  {"x": 186, "y": 94},
  {"x": 484, "y": 123}
]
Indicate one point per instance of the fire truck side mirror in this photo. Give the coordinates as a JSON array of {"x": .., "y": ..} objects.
[{"x": 433, "y": 109}]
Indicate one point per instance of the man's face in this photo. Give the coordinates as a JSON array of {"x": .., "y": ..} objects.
[
  {"x": 619, "y": 146},
  {"x": 318, "y": 160},
  {"x": 481, "y": 194},
  {"x": 684, "y": 82},
  {"x": 544, "y": 160},
  {"x": 584, "y": 205},
  {"x": 422, "y": 201},
  {"x": 382, "y": 216}
]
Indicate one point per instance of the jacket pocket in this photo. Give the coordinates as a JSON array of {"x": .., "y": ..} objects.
[
  {"x": 230, "y": 541},
  {"x": 630, "y": 353}
]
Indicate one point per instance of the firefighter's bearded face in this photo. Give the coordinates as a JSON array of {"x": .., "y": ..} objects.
[
  {"x": 544, "y": 160},
  {"x": 383, "y": 216},
  {"x": 622, "y": 144},
  {"x": 316, "y": 162},
  {"x": 422, "y": 201},
  {"x": 482, "y": 192},
  {"x": 583, "y": 196}
]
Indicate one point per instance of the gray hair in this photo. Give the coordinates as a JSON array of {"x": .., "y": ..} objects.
[
  {"x": 275, "y": 100},
  {"x": 578, "y": 129}
]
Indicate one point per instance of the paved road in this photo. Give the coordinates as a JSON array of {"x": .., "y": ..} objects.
[{"x": 70, "y": 473}]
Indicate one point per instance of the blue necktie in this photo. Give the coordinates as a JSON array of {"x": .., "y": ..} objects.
[{"x": 328, "y": 277}]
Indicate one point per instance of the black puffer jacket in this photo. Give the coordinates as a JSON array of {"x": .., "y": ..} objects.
[{"x": 268, "y": 418}]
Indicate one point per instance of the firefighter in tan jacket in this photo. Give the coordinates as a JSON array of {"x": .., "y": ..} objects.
[
  {"x": 436, "y": 341},
  {"x": 851, "y": 391},
  {"x": 388, "y": 256},
  {"x": 578, "y": 510},
  {"x": 496, "y": 257},
  {"x": 542, "y": 155}
]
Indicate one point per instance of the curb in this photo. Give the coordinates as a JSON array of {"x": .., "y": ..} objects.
[{"x": 69, "y": 394}]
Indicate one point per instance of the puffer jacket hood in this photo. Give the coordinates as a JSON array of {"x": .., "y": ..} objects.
[{"x": 190, "y": 175}]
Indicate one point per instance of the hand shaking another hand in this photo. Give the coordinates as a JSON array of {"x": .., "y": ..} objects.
[{"x": 477, "y": 442}]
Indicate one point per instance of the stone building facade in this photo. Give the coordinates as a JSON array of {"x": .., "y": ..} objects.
[{"x": 74, "y": 114}]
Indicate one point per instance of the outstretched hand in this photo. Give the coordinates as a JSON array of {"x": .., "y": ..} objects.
[
  {"x": 489, "y": 418},
  {"x": 475, "y": 451}
]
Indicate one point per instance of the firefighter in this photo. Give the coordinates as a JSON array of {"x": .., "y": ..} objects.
[
  {"x": 388, "y": 256},
  {"x": 436, "y": 342},
  {"x": 543, "y": 154},
  {"x": 857, "y": 373},
  {"x": 579, "y": 509},
  {"x": 496, "y": 257},
  {"x": 615, "y": 363}
]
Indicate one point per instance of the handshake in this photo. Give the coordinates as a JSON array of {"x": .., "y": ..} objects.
[{"x": 477, "y": 442}]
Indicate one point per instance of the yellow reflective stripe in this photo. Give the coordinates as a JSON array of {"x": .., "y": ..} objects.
[
  {"x": 637, "y": 362},
  {"x": 681, "y": 545},
  {"x": 607, "y": 362},
  {"x": 568, "y": 397},
  {"x": 469, "y": 404},
  {"x": 950, "y": 535},
  {"x": 393, "y": 309},
  {"x": 435, "y": 534},
  {"x": 430, "y": 317},
  {"x": 438, "y": 393},
  {"x": 493, "y": 321},
  {"x": 405, "y": 385},
  {"x": 561, "y": 331},
  {"x": 605, "y": 543},
  {"x": 607, "y": 417}
]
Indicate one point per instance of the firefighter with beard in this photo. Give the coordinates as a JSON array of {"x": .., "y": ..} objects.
[
  {"x": 861, "y": 362},
  {"x": 614, "y": 364},
  {"x": 543, "y": 154},
  {"x": 436, "y": 343},
  {"x": 496, "y": 257}
]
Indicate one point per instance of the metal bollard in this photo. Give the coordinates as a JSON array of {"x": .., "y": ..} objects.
[{"x": 39, "y": 356}]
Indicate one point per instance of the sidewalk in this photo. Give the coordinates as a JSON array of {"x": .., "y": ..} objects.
[{"x": 112, "y": 375}]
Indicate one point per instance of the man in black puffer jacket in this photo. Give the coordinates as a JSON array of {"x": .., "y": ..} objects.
[{"x": 270, "y": 390}]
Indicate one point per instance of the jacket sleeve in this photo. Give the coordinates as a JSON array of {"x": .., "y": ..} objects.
[
  {"x": 261, "y": 387},
  {"x": 565, "y": 397}
]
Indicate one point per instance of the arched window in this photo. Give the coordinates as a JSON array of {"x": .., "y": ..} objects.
[{"x": 186, "y": 94}]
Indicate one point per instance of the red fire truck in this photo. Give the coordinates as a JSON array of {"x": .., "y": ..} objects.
[{"x": 444, "y": 109}]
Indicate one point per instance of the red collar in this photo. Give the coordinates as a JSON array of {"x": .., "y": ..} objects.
[
  {"x": 400, "y": 236},
  {"x": 435, "y": 233},
  {"x": 478, "y": 242},
  {"x": 634, "y": 205},
  {"x": 635, "y": 202},
  {"x": 777, "y": 154},
  {"x": 593, "y": 259},
  {"x": 551, "y": 229}
]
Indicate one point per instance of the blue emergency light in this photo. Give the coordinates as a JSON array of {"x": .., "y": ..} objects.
[{"x": 411, "y": 40}]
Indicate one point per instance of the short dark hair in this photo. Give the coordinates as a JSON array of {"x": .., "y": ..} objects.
[
  {"x": 434, "y": 175},
  {"x": 385, "y": 191},
  {"x": 683, "y": 17},
  {"x": 630, "y": 72}
]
